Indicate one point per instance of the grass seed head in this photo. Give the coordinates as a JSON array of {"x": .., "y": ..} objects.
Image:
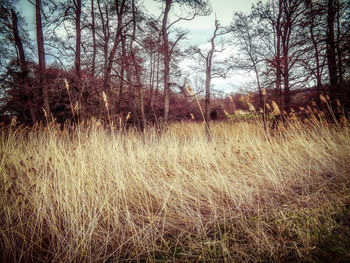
[
  {"x": 105, "y": 99},
  {"x": 242, "y": 99},
  {"x": 338, "y": 103},
  {"x": 323, "y": 99},
  {"x": 13, "y": 121},
  {"x": 189, "y": 90},
  {"x": 293, "y": 117},
  {"x": 251, "y": 107},
  {"x": 276, "y": 109},
  {"x": 342, "y": 120},
  {"x": 66, "y": 84},
  {"x": 76, "y": 106},
  {"x": 45, "y": 113}
]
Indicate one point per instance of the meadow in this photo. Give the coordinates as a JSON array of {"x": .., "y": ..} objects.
[{"x": 86, "y": 194}]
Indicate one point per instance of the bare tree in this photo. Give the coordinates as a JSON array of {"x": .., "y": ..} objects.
[
  {"x": 314, "y": 15},
  {"x": 199, "y": 7},
  {"x": 289, "y": 34},
  {"x": 41, "y": 58},
  {"x": 94, "y": 44},
  {"x": 248, "y": 38},
  {"x": 23, "y": 64},
  {"x": 210, "y": 73},
  {"x": 167, "y": 56},
  {"x": 332, "y": 63},
  {"x": 77, "y": 62},
  {"x": 120, "y": 6},
  {"x": 137, "y": 70}
]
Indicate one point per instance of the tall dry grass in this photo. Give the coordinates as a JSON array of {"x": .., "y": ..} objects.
[{"x": 89, "y": 195}]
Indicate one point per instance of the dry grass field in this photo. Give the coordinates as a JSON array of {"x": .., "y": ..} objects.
[{"x": 85, "y": 194}]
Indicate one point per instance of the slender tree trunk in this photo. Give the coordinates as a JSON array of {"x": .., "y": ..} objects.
[
  {"x": 261, "y": 99},
  {"x": 208, "y": 76},
  {"x": 339, "y": 51},
  {"x": 278, "y": 52},
  {"x": 94, "y": 46},
  {"x": 317, "y": 54},
  {"x": 77, "y": 62},
  {"x": 166, "y": 54},
  {"x": 122, "y": 70},
  {"x": 107, "y": 77},
  {"x": 106, "y": 35},
  {"x": 157, "y": 78},
  {"x": 135, "y": 115},
  {"x": 286, "y": 36},
  {"x": 151, "y": 81},
  {"x": 286, "y": 84},
  {"x": 137, "y": 71},
  {"x": 331, "y": 58},
  {"x": 23, "y": 64},
  {"x": 41, "y": 57},
  {"x": 207, "y": 95}
]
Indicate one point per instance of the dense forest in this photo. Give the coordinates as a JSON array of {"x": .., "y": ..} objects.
[{"x": 91, "y": 54}]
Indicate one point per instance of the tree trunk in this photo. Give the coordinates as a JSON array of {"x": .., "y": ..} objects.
[
  {"x": 166, "y": 54},
  {"x": 77, "y": 62},
  {"x": 106, "y": 35},
  {"x": 286, "y": 84},
  {"x": 23, "y": 64},
  {"x": 157, "y": 79},
  {"x": 41, "y": 58},
  {"x": 331, "y": 58},
  {"x": 317, "y": 54},
  {"x": 207, "y": 96},
  {"x": 137, "y": 71},
  {"x": 208, "y": 76},
  {"x": 122, "y": 70},
  {"x": 278, "y": 52},
  {"x": 93, "y": 65},
  {"x": 339, "y": 50},
  {"x": 107, "y": 77},
  {"x": 151, "y": 81}
]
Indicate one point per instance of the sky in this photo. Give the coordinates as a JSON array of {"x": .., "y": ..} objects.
[{"x": 199, "y": 30}]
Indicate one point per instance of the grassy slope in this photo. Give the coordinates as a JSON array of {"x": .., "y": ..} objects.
[{"x": 93, "y": 196}]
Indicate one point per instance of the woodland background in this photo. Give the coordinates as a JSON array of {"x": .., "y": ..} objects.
[{"x": 295, "y": 50}]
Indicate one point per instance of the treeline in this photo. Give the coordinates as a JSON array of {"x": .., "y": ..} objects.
[{"x": 87, "y": 48}]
